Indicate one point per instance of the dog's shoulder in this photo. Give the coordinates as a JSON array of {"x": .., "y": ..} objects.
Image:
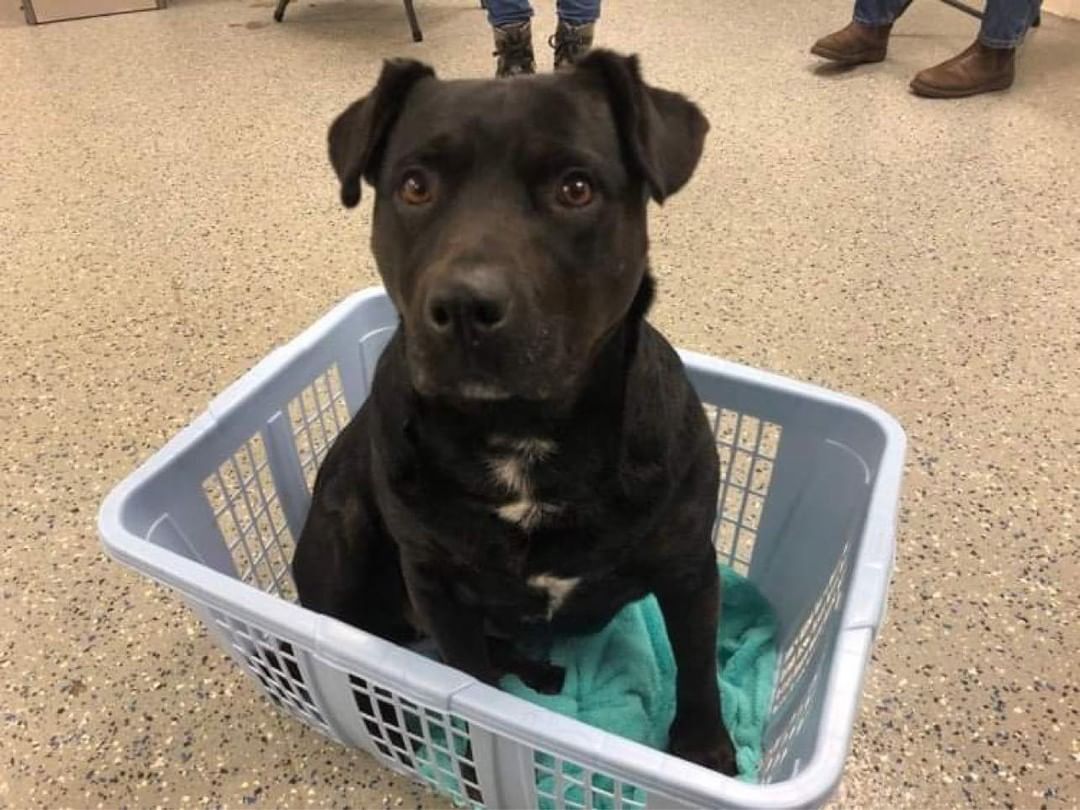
[{"x": 661, "y": 404}]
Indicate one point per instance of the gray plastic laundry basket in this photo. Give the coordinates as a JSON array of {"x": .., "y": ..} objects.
[{"x": 808, "y": 501}]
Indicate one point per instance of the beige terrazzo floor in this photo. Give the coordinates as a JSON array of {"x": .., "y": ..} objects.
[{"x": 167, "y": 217}]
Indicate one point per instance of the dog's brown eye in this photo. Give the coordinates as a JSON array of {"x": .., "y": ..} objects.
[
  {"x": 415, "y": 188},
  {"x": 575, "y": 190}
]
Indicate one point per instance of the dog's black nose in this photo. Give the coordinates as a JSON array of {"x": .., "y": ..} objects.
[{"x": 468, "y": 304}]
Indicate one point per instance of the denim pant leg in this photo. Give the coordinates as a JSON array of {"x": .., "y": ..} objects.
[
  {"x": 508, "y": 12},
  {"x": 1006, "y": 21},
  {"x": 878, "y": 12},
  {"x": 578, "y": 12}
]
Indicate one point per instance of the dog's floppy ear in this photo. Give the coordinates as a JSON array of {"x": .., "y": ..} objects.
[
  {"x": 357, "y": 135},
  {"x": 662, "y": 132}
]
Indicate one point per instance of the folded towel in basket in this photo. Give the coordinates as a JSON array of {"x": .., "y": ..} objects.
[{"x": 622, "y": 680}]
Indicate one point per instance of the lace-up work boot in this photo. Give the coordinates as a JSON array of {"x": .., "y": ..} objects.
[
  {"x": 571, "y": 43},
  {"x": 514, "y": 50}
]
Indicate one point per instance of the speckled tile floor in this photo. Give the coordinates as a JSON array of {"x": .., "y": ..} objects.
[{"x": 167, "y": 217}]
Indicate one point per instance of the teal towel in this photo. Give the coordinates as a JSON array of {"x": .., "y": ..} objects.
[{"x": 622, "y": 680}]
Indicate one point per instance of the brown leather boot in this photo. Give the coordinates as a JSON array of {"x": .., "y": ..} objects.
[
  {"x": 978, "y": 69},
  {"x": 854, "y": 44}
]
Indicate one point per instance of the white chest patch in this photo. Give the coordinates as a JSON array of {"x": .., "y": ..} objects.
[
  {"x": 528, "y": 514},
  {"x": 534, "y": 450},
  {"x": 511, "y": 473},
  {"x": 511, "y": 468},
  {"x": 557, "y": 588}
]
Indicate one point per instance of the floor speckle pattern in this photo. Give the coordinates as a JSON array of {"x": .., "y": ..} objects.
[{"x": 168, "y": 217}]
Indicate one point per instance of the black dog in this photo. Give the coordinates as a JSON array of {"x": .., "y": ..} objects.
[{"x": 532, "y": 456}]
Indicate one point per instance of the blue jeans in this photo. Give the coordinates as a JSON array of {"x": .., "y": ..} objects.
[
  {"x": 574, "y": 12},
  {"x": 1003, "y": 26}
]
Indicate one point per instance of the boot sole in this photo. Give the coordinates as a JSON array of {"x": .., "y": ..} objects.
[
  {"x": 859, "y": 58},
  {"x": 929, "y": 91}
]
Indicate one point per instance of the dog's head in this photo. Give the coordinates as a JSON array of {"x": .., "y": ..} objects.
[{"x": 510, "y": 225}]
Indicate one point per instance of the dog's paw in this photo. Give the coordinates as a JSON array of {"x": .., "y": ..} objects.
[
  {"x": 545, "y": 678},
  {"x": 716, "y": 755}
]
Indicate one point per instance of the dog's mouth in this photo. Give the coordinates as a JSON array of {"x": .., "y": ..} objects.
[
  {"x": 481, "y": 392},
  {"x": 465, "y": 388},
  {"x": 487, "y": 374},
  {"x": 471, "y": 392}
]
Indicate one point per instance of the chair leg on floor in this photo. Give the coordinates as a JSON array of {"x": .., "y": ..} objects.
[
  {"x": 964, "y": 7},
  {"x": 414, "y": 24},
  {"x": 279, "y": 10}
]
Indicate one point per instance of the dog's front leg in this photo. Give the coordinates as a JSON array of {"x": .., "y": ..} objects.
[
  {"x": 691, "y": 609},
  {"x": 457, "y": 628}
]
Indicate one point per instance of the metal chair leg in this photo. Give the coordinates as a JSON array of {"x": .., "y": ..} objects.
[
  {"x": 414, "y": 24},
  {"x": 279, "y": 10},
  {"x": 964, "y": 7}
]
